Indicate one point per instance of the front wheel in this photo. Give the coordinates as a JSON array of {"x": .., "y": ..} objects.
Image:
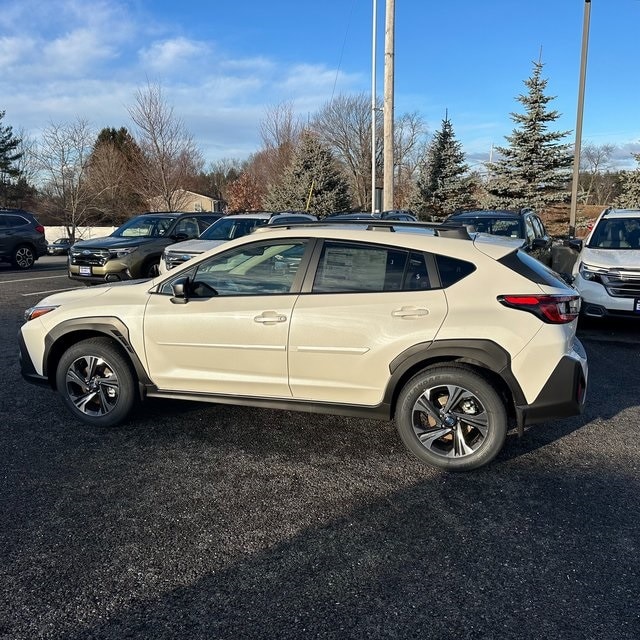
[
  {"x": 452, "y": 418},
  {"x": 151, "y": 269},
  {"x": 23, "y": 257},
  {"x": 96, "y": 382}
]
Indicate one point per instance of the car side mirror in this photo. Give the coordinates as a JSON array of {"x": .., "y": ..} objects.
[
  {"x": 574, "y": 243},
  {"x": 180, "y": 288},
  {"x": 179, "y": 237}
]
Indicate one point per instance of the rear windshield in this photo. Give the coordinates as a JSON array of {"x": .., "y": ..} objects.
[{"x": 527, "y": 266}]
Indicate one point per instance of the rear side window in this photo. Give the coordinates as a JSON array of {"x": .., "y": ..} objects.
[
  {"x": 533, "y": 269},
  {"x": 350, "y": 267},
  {"x": 14, "y": 221},
  {"x": 453, "y": 270}
]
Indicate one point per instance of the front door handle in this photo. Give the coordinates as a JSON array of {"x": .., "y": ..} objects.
[
  {"x": 410, "y": 312},
  {"x": 270, "y": 317}
]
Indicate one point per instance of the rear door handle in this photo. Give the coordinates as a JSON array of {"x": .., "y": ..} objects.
[{"x": 410, "y": 312}]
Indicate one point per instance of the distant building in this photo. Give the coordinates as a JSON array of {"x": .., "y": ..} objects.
[{"x": 188, "y": 201}]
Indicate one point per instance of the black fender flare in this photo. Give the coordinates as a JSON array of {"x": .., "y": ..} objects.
[
  {"x": 110, "y": 326},
  {"x": 484, "y": 354}
]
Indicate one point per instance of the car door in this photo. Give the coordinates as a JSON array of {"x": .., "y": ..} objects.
[
  {"x": 361, "y": 308},
  {"x": 228, "y": 333}
]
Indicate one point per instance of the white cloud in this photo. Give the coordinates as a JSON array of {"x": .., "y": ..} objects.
[
  {"x": 76, "y": 52},
  {"x": 168, "y": 54}
]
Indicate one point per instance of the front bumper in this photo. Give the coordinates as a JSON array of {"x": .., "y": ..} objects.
[
  {"x": 564, "y": 393},
  {"x": 597, "y": 303},
  {"x": 100, "y": 275},
  {"x": 27, "y": 368}
]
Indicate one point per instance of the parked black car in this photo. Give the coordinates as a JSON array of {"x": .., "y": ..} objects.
[
  {"x": 22, "y": 239},
  {"x": 59, "y": 247},
  {"x": 524, "y": 224}
]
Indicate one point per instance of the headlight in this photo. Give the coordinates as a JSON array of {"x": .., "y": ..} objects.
[
  {"x": 590, "y": 273},
  {"x": 120, "y": 253},
  {"x": 35, "y": 312}
]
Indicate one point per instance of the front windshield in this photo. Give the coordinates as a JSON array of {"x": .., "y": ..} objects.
[
  {"x": 229, "y": 228},
  {"x": 144, "y": 227},
  {"x": 616, "y": 233}
]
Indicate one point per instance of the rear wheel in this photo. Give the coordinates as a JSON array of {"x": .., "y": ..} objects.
[
  {"x": 23, "y": 257},
  {"x": 452, "y": 418},
  {"x": 96, "y": 382}
]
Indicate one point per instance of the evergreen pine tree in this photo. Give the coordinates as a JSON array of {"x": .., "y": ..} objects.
[
  {"x": 8, "y": 157},
  {"x": 533, "y": 171},
  {"x": 444, "y": 184},
  {"x": 313, "y": 178},
  {"x": 630, "y": 196}
]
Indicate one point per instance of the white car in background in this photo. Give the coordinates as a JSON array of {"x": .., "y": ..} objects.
[
  {"x": 223, "y": 230},
  {"x": 607, "y": 270}
]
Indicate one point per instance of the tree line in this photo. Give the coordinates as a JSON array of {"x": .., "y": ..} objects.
[{"x": 74, "y": 176}]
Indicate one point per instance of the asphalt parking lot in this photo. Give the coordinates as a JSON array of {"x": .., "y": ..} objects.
[{"x": 206, "y": 521}]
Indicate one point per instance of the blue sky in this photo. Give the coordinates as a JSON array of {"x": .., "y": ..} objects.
[{"x": 222, "y": 64}]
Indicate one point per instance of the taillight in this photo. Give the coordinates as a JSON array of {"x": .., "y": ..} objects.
[
  {"x": 39, "y": 228},
  {"x": 549, "y": 308}
]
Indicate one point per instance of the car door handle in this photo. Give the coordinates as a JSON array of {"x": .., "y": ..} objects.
[
  {"x": 269, "y": 317},
  {"x": 410, "y": 312}
]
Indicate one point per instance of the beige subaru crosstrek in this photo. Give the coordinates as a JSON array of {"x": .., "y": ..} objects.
[{"x": 456, "y": 336}]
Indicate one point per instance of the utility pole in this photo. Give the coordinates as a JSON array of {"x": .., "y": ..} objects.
[
  {"x": 373, "y": 108},
  {"x": 388, "y": 105},
  {"x": 576, "y": 153}
]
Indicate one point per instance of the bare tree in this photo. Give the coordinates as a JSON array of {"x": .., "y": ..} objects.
[
  {"x": 63, "y": 160},
  {"x": 595, "y": 165},
  {"x": 345, "y": 125},
  {"x": 170, "y": 157},
  {"x": 410, "y": 147},
  {"x": 280, "y": 132}
]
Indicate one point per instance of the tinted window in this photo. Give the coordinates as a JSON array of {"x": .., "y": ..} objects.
[
  {"x": 538, "y": 227},
  {"x": 15, "y": 221},
  {"x": 453, "y": 270},
  {"x": 255, "y": 269},
  {"x": 144, "y": 227},
  {"x": 229, "y": 228},
  {"x": 528, "y": 228},
  {"x": 187, "y": 226},
  {"x": 533, "y": 269},
  {"x": 350, "y": 267}
]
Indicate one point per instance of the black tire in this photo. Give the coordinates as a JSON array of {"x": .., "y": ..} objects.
[
  {"x": 451, "y": 418},
  {"x": 151, "y": 269},
  {"x": 23, "y": 257},
  {"x": 96, "y": 382}
]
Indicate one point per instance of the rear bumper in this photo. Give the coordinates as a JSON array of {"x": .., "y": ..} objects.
[{"x": 564, "y": 393}]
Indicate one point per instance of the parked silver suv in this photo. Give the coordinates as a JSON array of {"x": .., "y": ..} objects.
[
  {"x": 223, "y": 230},
  {"x": 458, "y": 336},
  {"x": 607, "y": 270}
]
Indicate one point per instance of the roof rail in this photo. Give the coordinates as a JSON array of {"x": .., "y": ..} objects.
[{"x": 445, "y": 229}]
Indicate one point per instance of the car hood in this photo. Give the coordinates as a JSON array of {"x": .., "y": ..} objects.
[
  {"x": 194, "y": 246},
  {"x": 112, "y": 242},
  {"x": 611, "y": 258},
  {"x": 82, "y": 294}
]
